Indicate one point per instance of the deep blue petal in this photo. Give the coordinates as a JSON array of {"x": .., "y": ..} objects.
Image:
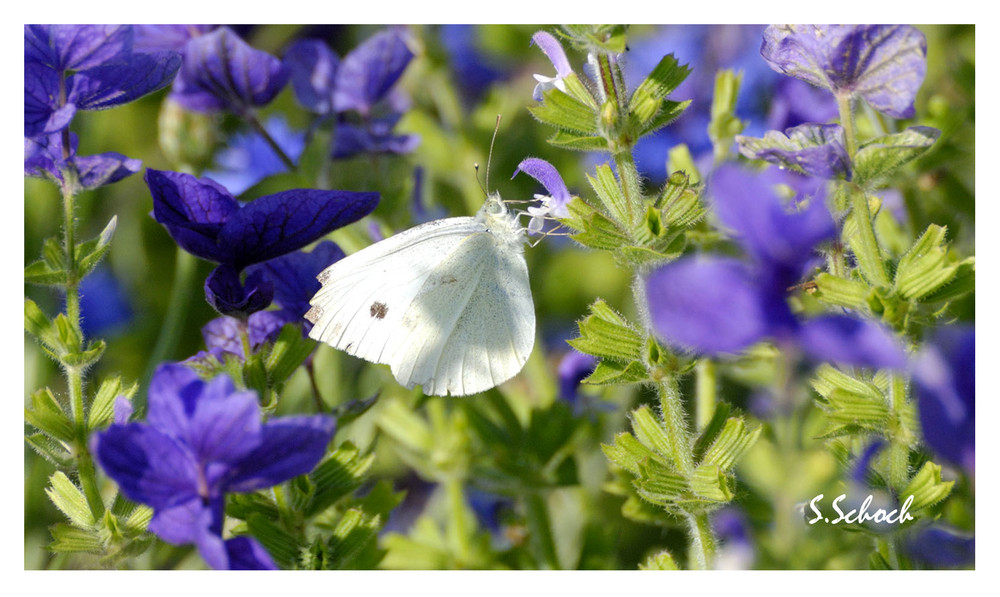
[
  {"x": 157, "y": 38},
  {"x": 118, "y": 83},
  {"x": 945, "y": 379},
  {"x": 313, "y": 70},
  {"x": 249, "y": 159},
  {"x": 44, "y": 112},
  {"x": 711, "y": 305},
  {"x": 229, "y": 296},
  {"x": 105, "y": 168},
  {"x": 294, "y": 276},
  {"x": 573, "y": 368},
  {"x": 220, "y": 70},
  {"x": 173, "y": 393},
  {"x": 546, "y": 174},
  {"x": 76, "y": 47},
  {"x": 368, "y": 72},
  {"x": 291, "y": 446},
  {"x": 375, "y": 138},
  {"x": 274, "y": 225},
  {"x": 192, "y": 210},
  {"x": 852, "y": 342},
  {"x": 245, "y": 553},
  {"x": 941, "y": 547}
]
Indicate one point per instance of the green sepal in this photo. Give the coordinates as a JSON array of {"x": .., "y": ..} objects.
[
  {"x": 878, "y": 158},
  {"x": 596, "y": 230},
  {"x": 712, "y": 430},
  {"x": 254, "y": 375},
  {"x": 49, "y": 417},
  {"x": 605, "y": 184},
  {"x": 628, "y": 453},
  {"x": 89, "y": 254},
  {"x": 648, "y": 430},
  {"x": 829, "y": 378},
  {"x": 724, "y": 125},
  {"x": 575, "y": 142},
  {"x": 69, "y": 499},
  {"x": 709, "y": 482},
  {"x": 616, "y": 373},
  {"x": 283, "y": 547},
  {"x": 607, "y": 38},
  {"x": 405, "y": 427},
  {"x": 52, "y": 451},
  {"x": 669, "y": 112},
  {"x": 660, "y": 484},
  {"x": 963, "y": 281},
  {"x": 842, "y": 292},
  {"x": 731, "y": 444},
  {"x": 680, "y": 201},
  {"x": 353, "y": 542},
  {"x": 289, "y": 351},
  {"x": 578, "y": 91},
  {"x": 659, "y": 561},
  {"x": 564, "y": 112},
  {"x": 679, "y": 159},
  {"x": 650, "y": 97},
  {"x": 102, "y": 408},
  {"x": 926, "y": 266},
  {"x": 67, "y": 538},
  {"x": 642, "y": 257},
  {"x": 340, "y": 474},
  {"x": 926, "y": 487},
  {"x": 606, "y": 335},
  {"x": 860, "y": 237},
  {"x": 877, "y": 562},
  {"x": 846, "y": 408},
  {"x": 85, "y": 358}
]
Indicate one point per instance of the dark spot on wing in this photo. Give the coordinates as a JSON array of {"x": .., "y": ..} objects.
[
  {"x": 378, "y": 310},
  {"x": 449, "y": 279}
]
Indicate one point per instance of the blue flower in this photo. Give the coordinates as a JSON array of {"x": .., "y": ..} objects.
[
  {"x": 202, "y": 440},
  {"x": 369, "y": 72},
  {"x": 475, "y": 69},
  {"x": 85, "y": 67},
  {"x": 222, "y": 72},
  {"x": 810, "y": 149},
  {"x": 206, "y": 221},
  {"x": 883, "y": 64},
  {"x": 941, "y": 547},
  {"x": 721, "y": 305},
  {"x": 249, "y": 159},
  {"x": 43, "y": 158},
  {"x": 104, "y": 304},
  {"x": 944, "y": 373}
]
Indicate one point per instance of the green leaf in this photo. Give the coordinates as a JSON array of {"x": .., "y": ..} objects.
[
  {"x": 724, "y": 125},
  {"x": 70, "y": 500},
  {"x": 289, "y": 351},
  {"x": 337, "y": 476},
  {"x": 353, "y": 544},
  {"x": 669, "y": 112},
  {"x": 731, "y": 444},
  {"x": 614, "y": 372},
  {"x": 842, "y": 292},
  {"x": 962, "y": 282},
  {"x": 70, "y": 539},
  {"x": 574, "y": 142},
  {"x": 49, "y": 450},
  {"x": 605, "y": 184},
  {"x": 649, "y": 97},
  {"x": 86, "y": 358},
  {"x": 102, "y": 408},
  {"x": 565, "y": 112},
  {"x": 926, "y": 487},
  {"x": 605, "y": 334},
  {"x": 712, "y": 430},
  {"x": 659, "y": 561},
  {"x": 88, "y": 254},
  {"x": 709, "y": 482},
  {"x": 48, "y": 416},
  {"x": 926, "y": 266},
  {"x": 282, "y": 546},
  {"x": 879, "y": 158},
  {"x": 829, "y": 378},
  {"x": 40, "y": 272}
]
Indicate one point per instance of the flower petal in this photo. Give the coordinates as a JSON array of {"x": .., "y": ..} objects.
[
  {"x": 43, "y": 112},
  {"x": 229, "y": 296},
  {"x": 313, "y": 71},
  {"x": 294, "y": 276},
  {"x": 367, "y": 73},
  {"x": 810, "y": 149},
  {"x": 245, "y": 553},
  {"x": 76, "y": 47},
  {"x": 554, "y": 51},
  {"x": 851, "y": 342},
  {"x": 711, "y": 305},
  {"x": 547, "y": 174},
  {"x": 291, "y": 446},
  {"x": 192, "y": 210},
  {"x": 121, "y": 82}
]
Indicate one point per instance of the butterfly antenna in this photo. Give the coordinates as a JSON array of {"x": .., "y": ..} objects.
[{"x": 489, "y": 158}]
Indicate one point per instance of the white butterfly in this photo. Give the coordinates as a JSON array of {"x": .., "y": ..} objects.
[{"x": 447, "y": 304}]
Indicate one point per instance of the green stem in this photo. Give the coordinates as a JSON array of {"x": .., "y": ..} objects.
[
  {"x": 185, "y": 265},
  {"x": 867, "y": 249},
  {"x": 702, "y": 541},
  {"x": 257, "y": 126},
  {"x": 847, "y": 122},
  {"x": 459, "y": 523},
  {"x": 672, "y": 410},
  {"x": 541, "y": 530},
  {"x": 69, "y": 246},
  {"x": 899, "y": 451},
  {"x": 705, "y": 394}
]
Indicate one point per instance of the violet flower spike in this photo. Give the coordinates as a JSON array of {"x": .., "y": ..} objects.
[
  {"x": 883, "y": 64},
  {"x": 554, "y": 51}
]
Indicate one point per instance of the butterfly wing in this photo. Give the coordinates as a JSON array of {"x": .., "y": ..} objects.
[
  {"x": 472, "y": 324},
  {"x": 365, "y": 295}
]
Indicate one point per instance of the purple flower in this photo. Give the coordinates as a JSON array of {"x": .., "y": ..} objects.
[
  {"x": 796, "y": 102},
  {"x": 202, "y": 440},
  {"x": 85, "y": 67},
  {"x": 154, "y": 38},
  {"x": 225, "y": 334},
  {"x": 810, "y": 149},
  {"x": 43, "y": 158},
  {"x": 104, "y": 304},
  {"x": 373, "y": 137},
  {"x": 369, "y": 71},
  {"x": 249, "y": 159},
  {"x": 553, "y": 50},
  {"x": 941, "y": 547},
  {"x": 736, "y": 550},
  {"x": 222, "y": 72},
  {"x": 945, "y": 378},
  {"x": 294, "y": 278},
  {"x": 206, "y": 221},
  {"x": 475, "y": 69},
  {"x": 883, "y": 64},
  {"x": 312, "y": 67},
  {"x": 718, "y": 305},
  {"x": 552, "y": 205},
  {"x": 574, "y": 368}
]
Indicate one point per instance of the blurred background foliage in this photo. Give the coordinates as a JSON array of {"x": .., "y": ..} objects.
[{"x": 461, "y": 78}]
